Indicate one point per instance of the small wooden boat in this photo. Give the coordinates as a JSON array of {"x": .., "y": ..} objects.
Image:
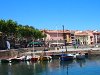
[
  {"x": 66, "y": 57},
  {"x": 35, "y": 58},
  {"x": 45, "y": 58},
  {"x": 15, "y": 60},
  {"x": 27, "y": 58},
  {"x": 56, "y": 56}
]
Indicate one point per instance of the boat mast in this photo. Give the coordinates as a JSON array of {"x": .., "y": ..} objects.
[
  {"x": 65, "y": 40},
  {"x": 33, "y": 48},
  {"x": 57, "y": 36}
]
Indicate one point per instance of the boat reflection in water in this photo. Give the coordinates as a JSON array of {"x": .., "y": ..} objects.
[
  {"x": 81, "y": 62},
  {"x": 89, "y": 66},
  {"x": 66, "y": 65}
]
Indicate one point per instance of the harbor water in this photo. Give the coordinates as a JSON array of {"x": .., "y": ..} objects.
[{"x": 88, "y": 66}]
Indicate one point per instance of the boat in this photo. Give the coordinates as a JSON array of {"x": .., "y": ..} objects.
[
  {"x": 16, "y": 60},
  {"x": 27, "y": 58},
  {"x": 80, "y": 56},
  {"x": 65, "y": 56},
  {"x": 45, "y": 57},
  {"x": 34, "y": 57},
  {"x": 55, "y": 56},
  {"x": 12, "y": 59},
  {"x": 5, "y": 60}
]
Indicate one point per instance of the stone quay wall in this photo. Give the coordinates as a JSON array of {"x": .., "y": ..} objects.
[
  {"x": 17, "y": 52},
  {"x": 22, "y": 51}
]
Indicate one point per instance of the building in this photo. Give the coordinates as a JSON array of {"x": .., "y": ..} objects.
[
  {"x": 57, "y": 35},
  {"x": 81, "y": 37},
  {"x": 96, "y": 37},
  {"x": 87, "y": 37}
]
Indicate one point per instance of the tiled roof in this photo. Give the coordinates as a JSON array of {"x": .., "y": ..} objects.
[
  {"x": 81, "y": 33},
  {"x": 57, "y": 31}
]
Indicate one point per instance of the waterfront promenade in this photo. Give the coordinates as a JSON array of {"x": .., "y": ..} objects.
[
  {"x": 27, "y": 51},
  {"x": 70, "y": 49}
]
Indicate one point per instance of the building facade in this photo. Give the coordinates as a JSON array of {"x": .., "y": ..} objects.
[
  {"x": 73, "y": 37},
  {"x": 57, "y": 35},
  {"x": 96, "y": 37}
]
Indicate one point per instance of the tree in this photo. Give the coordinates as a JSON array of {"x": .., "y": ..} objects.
[{"x": 14, "y": 30}]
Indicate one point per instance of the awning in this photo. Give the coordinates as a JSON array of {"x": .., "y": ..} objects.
[
  {"x": 38, "y": 43},
  {"x": 57, "y": 43}
]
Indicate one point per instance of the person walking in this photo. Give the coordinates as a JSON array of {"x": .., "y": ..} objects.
[{"x": 8, "y": 44}]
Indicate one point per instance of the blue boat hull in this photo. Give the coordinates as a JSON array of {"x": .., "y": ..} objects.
[{"x": 66, "y": 58}]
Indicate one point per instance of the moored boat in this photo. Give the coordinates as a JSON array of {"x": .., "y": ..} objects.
[
  {"x": 66, "y": 57},
  {"x": 56, "y": 56},
  {"x": 5, "y": 60},
  {"x": 45, "y": 58},
  {"x": 15, "y": 60},
  {"x": 35, "y": 58},
  {"x": 27, "y": 58},
  {"x": 80, "y": 56}
]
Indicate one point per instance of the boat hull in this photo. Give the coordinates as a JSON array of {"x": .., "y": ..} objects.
[
  {"x": 55, "y": 56},
  {"x": 5, "y": 61},
  {"x": 15, "y": 60},
  {"x": 45, "y": 58},
  {"x": 34, "y": 59},
  {"x": 80, "y": 57},
  {"x": 66, "y": 57}
]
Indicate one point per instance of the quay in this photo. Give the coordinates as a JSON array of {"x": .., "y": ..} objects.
[{"x": 27, "y": 51}]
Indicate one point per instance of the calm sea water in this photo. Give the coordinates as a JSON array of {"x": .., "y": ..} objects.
[{"x": 89, "y": 66}]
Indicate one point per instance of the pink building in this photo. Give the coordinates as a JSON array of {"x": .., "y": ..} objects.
[
  {"x": 96, "y": 37},
  {"x": 88, "y": 37},
  {"x": 56, "y": 34},
  {"x": 84, "y": 37}
]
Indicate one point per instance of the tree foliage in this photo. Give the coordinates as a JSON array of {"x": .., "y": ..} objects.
[{"x": 11, "y": 27}]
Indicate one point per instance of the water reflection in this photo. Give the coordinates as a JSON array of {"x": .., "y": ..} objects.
[
  {"x": 66, "y": 65},
  {"x": 81, "y": 62},
  {"x": 54, "y": 67}
]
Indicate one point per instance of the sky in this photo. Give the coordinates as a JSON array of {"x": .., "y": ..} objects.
[{"x": 52, "y": 14}]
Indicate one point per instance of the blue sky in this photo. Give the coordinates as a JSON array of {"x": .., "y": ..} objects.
[{"x": 52, "y": 14}]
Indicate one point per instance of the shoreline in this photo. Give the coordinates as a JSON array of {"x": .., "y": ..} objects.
[{"x": 27, "y": 51}]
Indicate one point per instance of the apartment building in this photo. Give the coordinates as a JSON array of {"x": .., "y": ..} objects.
[
  {"x": 81, "y": 37},
  {"x": 96, "y": 37},
  {"x": 57, "y": 35},
  {"x": 73, "y": 37}
]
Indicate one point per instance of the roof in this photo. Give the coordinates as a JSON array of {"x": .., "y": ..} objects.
[
  {"x": 36, "y": 43},
  {"x": 81, "y": 33},
  {"x": 96, "y": 33},
  {"x": 57, "y": 31},
  {"x": 57, "y": 43}
]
